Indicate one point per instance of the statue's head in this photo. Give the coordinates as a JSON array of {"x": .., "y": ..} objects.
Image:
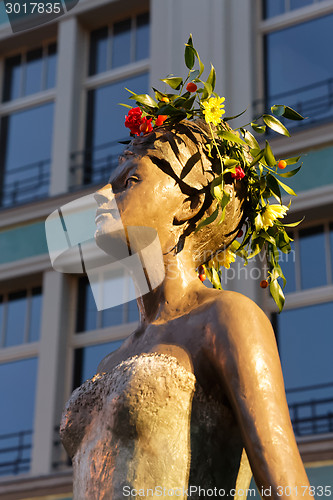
[{"x": 163, "y": 182}]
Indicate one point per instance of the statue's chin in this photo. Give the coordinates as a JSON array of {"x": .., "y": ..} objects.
[{"x": 113, "y": 242}]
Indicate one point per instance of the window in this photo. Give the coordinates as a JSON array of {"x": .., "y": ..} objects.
[
  {"x": 29, "y": 73},
  {"x": 272, "y": 8},
  {"x": 20, "y": 323},
  {"x": 122, "y": 43},
  {"x": 306, "y": 343},
  {"x": 304, "y": 331},
  {"x": 88, "y": 358},
  {"x": 26, "y": 129},
  {"x": 118, "y": 59},
  {"x": 88, "y": 318},
  {"x": 18, "y": 400},
  {"x": 20, "y": 316}
]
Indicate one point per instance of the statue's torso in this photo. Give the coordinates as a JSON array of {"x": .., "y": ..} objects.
[{"x": 155, "y": 417}]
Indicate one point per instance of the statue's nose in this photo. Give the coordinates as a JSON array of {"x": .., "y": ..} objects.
[{"x": 104, "y": 195}]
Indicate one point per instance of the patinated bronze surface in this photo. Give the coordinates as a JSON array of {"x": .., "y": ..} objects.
[{"x": 200, "y": 379}]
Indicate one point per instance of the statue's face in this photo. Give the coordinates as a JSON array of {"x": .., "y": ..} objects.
[{"x": 139, "y": 194}]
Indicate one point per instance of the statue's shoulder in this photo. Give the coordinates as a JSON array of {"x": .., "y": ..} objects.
[{"x": 237, "y": 316}]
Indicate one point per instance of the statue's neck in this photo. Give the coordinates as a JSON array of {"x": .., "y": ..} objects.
[{"x": 176, "y": 295}]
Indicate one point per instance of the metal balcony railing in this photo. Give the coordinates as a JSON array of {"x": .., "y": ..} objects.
[
  {"x": 315, "y": 102},
  {"x": 312, "y": 415},
  {"x": 25, "y": 184},
  {"x": 94, "y": 165},
  {"x": 15, "y": 452}
]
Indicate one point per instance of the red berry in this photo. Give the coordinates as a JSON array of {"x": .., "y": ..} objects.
[
  {"x": 202, "y": 277},
  {"x": 160, "y": 120},
  {"x": 240, "y": 233},
  {"x": 191, "y": 87},
  {"x": 282, "y": 164},
  {"x": 165, "y": 99},
  {"x": 264, "y": 284}
]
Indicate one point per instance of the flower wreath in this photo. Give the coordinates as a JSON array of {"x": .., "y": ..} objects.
[{"x": 242, "y": 157}]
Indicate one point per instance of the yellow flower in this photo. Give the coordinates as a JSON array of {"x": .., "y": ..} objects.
[
  {"x": 224, "y": 259},
  {"x": 212, "y": 110},
  {"x": 271, "y": 213}
]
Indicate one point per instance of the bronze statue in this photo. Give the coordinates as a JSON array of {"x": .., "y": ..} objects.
[{"x": 199, "y": 381}]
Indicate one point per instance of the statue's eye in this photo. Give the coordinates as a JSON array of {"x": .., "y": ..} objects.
[{"x": 131, "y": 180}]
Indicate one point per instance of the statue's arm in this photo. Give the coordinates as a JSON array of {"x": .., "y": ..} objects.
[{"x": 248, "y": 363}]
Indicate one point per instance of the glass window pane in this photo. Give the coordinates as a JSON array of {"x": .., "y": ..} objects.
[
  {"x": 16, "y": 318},
  {"x": 105, "y": 125},
  {"x": 287, "y": 262},
  {"x": 132, "y": 311},
  {"x": 305, "y": 338},
  {"x": 33, "y": 72},
  {"x": 299, "y": 70},
  {"x": 142, "y": 37},
  {"x": 18, "y": 400},
  {"x": 98, "y": 51},
  {"x": 87, "y": 310},
  {"x": 88, "y": 358},
  {"x": 312, "y": 257},
  {"x": 298, "y": 4},
  {"x": 1, "y": 320},
  {"x": 51, "y": 66},
  {"x": 273, "y": 8},
  {"x": 27, "y": 138},
  {"x": 35, "y": 314},
  {"x": 13, "y": 78},
  {"x": 121, "y": 43},
  {"x": 331, "y": 247}
]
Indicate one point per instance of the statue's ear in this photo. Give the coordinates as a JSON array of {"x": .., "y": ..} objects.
[{"x": 191, "y": 206}]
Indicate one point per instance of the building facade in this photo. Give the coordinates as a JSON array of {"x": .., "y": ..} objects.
[{"x": 60, "y": 85}]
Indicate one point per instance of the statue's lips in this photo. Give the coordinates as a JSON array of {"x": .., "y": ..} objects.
[{"x": 111, "y": 213}]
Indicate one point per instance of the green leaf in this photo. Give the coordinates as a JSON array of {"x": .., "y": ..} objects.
[
  {"x": 216, "y": 279},
  {"x": 174, "y": 82},
  {"x": 291, "y": 173},
  {"x": 229, "y": 136},
  {"x": 293, "y": 160},
  {"x": 293, "y": 224},
  {"x": 257, "y": 158},
  {"x": 206, "y": 91},
  {"x": 189, "y": 53},
  {"x": 269, "y": 157},
  {"x": 212, "y": 77},
  {"x": 251, "y": 140},
  {"x": 273, "y": 185},
  {"x": 286, "y": 188},
  {"x": 159, "y": 95},
  {"x": 144, "y": 99},
  {"x": 208, "y": 220},
  {"x": 224, "y": 202},
  {"x": 277, "y": 294},
  {"x": 260, "y": 129},
  {"x": 125, "y": 105},
  {"x": 286, "y": 111},
  {"x": 229, "y": 163},
  {"x": 228, "y": 118},
  {"x": 170, "y": 110},
  {"x": 275, "y": 125}
]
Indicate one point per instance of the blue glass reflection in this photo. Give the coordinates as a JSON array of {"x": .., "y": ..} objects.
[
  {"x": 331, "y": 248},
  {"x": 305, "y": 337},
  {"x": 16, "y": 319},
  {"x": 121, "y": 43},
  {"x": 28, "y": 136},
  {"x": 1, "y": 320},
  {"x": 312, "y": 257},
  {"x": 87, "y": 311},
  {"x": 299, "y": 68},
  {"x": 13, "y": 78},
  {"x": 287, "y": 263},
  {"x": 98, "y": 51},
  {"x": 17, "y": 396},
  {"x": 105, "y": 125},
  {"x": 142, "y": 37},
  {"x": 35, "y": 314},
  {"x": 88, "y": 358},
  {"x": 51, "y": 66},
  {"x": 273, "y": 8},
  {"x": 33, "y": 72},
  {"x": 298, "y": 4}
]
